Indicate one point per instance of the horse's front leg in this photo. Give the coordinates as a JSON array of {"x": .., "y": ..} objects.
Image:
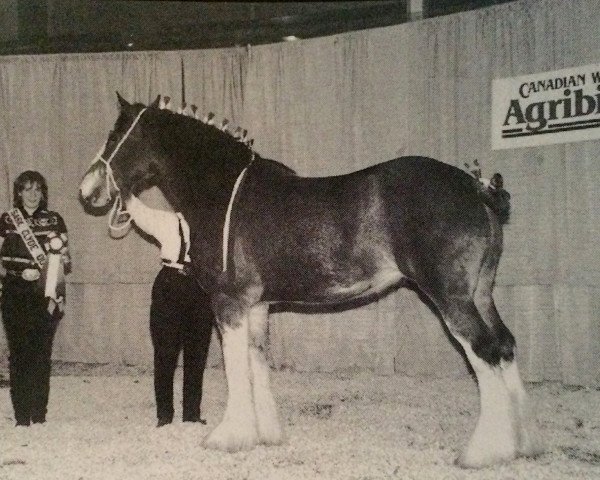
[
  {"x": 237, "y": 431},
  {"x": 267, "y": 419}
]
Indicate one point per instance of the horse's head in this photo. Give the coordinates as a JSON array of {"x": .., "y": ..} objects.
[{"x": 125, "y": 164}]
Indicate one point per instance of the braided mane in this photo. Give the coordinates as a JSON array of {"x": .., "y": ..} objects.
[{"x": 239, "y": 134}]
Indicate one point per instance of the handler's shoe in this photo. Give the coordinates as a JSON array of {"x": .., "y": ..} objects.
[
  {"x": 38, "y": 418},
  {"x": 163, "y": 421},
  {"x": 194, "y": 418}
]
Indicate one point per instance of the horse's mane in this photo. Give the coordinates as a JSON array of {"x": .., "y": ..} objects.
[{"x": 217, "y": 139}]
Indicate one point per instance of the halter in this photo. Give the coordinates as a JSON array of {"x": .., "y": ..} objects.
[{"x": 118, "y": 207}]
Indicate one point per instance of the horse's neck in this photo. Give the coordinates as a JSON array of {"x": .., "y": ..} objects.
[
  {"x": 202, "y": 197},
  {"x": 201, "y": 176},
  {"x": 161, "y": 224},
  {"x": 198, "y": 181}
]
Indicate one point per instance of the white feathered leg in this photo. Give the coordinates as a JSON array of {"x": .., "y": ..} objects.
[
  {"x": 495, "y": 437},
  {"x": 269, "y": 427},
  {"x": 529, "y": 440},
  {"x": 237, "y": 431}
]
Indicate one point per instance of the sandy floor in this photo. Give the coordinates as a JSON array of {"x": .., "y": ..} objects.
[{"x": 339, "y": 426}]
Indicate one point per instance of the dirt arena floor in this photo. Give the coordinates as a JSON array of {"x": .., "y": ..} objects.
[{"x": 353, "y": 425}]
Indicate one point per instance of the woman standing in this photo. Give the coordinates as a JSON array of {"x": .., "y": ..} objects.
[{"x": 33, "y": 244}]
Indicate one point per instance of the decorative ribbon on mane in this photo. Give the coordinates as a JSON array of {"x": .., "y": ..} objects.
[{"x": 51, "y": 265}]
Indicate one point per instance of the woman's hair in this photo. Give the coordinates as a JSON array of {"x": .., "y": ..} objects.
[{"x": 30, "y": 176}]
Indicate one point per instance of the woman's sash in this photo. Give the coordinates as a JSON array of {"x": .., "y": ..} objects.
[
  {"x": 33, "y": 246},
  {"x": 51, "y": 265}
]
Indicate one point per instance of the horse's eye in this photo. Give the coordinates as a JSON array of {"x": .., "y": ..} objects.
[{"x": 112, "y": 136}]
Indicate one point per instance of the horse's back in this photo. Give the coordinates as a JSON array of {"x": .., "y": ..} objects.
[
  {"x": 406, "y": 186},
  {"x": 316, "y": 233},
  {"x": 418, "y": 193},
  {"x": 422, "y": 186}
]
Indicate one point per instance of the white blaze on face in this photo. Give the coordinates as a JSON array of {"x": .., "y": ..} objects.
[{"x": 91, "y": 182}]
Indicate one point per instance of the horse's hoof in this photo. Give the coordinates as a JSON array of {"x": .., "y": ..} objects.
[
  {"x": 476, "y": 460},
  {"x": 231, "y": 440},
  {"x": 272, "y": 441},
  {"x": 271, "y": 438},
  {"x": 270, "y": 431},
  {"x": 531, "y": 446}
]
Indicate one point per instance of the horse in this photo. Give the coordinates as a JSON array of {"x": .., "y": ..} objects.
[{"x": 263, "y": 235}]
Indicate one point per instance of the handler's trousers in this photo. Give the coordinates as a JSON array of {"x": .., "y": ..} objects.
[
  {"x": 30, "y": 332},
  {"x": 180, "y": 319}
]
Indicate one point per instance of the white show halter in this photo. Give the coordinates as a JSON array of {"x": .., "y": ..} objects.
[{"x": 117, "y": 208}]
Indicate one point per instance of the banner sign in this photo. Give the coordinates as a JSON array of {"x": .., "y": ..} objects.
[{"x": 546, "y": 108}]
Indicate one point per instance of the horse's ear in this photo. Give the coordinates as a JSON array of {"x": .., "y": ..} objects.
[
  {"x": 155, "y": 103},
  {"x": 122, "y": 101}
]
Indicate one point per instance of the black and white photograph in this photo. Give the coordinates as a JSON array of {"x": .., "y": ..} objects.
[{"x": 299, "y": 240}]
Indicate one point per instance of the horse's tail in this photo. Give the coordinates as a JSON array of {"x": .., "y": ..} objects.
[{"x": 495, "y": 197}]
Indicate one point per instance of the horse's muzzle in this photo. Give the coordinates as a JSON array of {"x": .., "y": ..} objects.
[{"x": 93, "y": 191}]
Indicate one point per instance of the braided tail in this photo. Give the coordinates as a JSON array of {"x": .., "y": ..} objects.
[{"x": 495, "y": 197}]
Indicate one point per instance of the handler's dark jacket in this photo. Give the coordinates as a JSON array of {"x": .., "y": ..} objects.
[{"x": 14, "y": 253}]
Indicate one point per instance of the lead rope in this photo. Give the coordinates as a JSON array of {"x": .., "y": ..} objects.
[
  {"x": 227, "y": 223},
  {"x": 118, "y": 207},
  {"x": 116, "y": 212}
]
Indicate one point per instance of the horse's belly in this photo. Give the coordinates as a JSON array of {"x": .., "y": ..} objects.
[{"x": 379, "y": 282}]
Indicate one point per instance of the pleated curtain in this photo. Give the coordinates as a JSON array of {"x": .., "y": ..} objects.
[{"x": 330, "y": 106}]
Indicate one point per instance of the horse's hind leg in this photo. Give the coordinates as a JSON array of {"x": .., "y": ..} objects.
[
  {"x": 237, "y": 431},
  {"x": 529, "y": 441},
  {"x": 267, "y": 419},
  {"x": 495, "y": 437}
]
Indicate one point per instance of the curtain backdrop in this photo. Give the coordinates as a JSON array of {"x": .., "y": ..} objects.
[
  {"x": 329, "y": 106},
  {"x": 57, "y": 111}
]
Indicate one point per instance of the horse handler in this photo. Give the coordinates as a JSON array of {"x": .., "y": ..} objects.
[
  {"x": 33, "y": 247},
  {"x": 181, "y": 318}
]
